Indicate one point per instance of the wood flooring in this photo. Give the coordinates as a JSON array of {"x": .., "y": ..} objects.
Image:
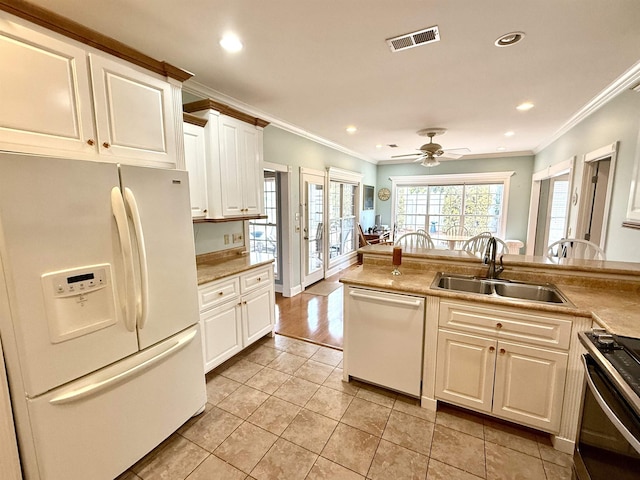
[{"x": 314, "y": 318}]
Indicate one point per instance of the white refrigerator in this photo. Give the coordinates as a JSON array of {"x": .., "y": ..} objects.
[{"x": 98, "y": 312}]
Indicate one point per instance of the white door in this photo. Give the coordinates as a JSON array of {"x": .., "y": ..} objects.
[
  {"x": 465, "y": 369},
  {"x": 314, "y": 229},
  {"x": 169, "y": 301},
  {"x": 56, "y": 215}
]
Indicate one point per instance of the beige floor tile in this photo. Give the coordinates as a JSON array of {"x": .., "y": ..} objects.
[
  {"x": 263, "y": 355},
  {"x": 456, "y": 419},
  {"x": 550, "y": 454},
  {"x": 325, "y": 469},
  {"x": 219, "y": 388},
  {"x": 441, "y": 471},
  {"x": 505, "y": 464},
  {"x": 278, "y": 342},
  {"x": 212, "y": 429},
  {"x": 284, "y": 461},
  {"x": 335, "y": 381},
  {"x": 128, "y": 475},
  {"x": 274, "y": 415},
  {"x": 367, "y": 416},
  {"x": 409, "y": 432},
  {"x": 315, "y": 372},
  {"x": 329, "y": 402},
  {"x": 241, "y": 371},
  {"x": 377, "y": 395},
  {"x": 458, "y": 449},
  {"x": 328, "y": 355},
  {"x": 392, "y": 461},
  {"x": 556, "y": 472},
  {"x": 412, "y": 407},
  {"x": 296, "y": 390},
  {"x": 310, "y": 430},
  {"x": 176, "y": 458},
  {"x": 268, "y": 380},
  {"x": 302, "y": 349},
  {"x": 351, "y": 448},
  {"x": 243, "y": 402},
  {"x": 287, "y": 363},
  {"x": 246, "y": 446},
  {"x": 213, "y": 467},
  {"x": 512, "y": 437}
]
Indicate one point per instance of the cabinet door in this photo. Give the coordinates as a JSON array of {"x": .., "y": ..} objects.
[
  {"x": 194, "y": 157},
  {"x": 258, "y": 312},
  {"x": 45, "y": 95},
  {"x": 134, "y": 113},
  {"x": 231, "y": 170},
  {"x": 253, "y": 186},
  {"x": 221, "y": 334},
  {"x": 529, "y": 385},
  {"x": 465, "y": 369}
]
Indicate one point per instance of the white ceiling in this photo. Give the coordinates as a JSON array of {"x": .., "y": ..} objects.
[{"x": 321, "y": 65}]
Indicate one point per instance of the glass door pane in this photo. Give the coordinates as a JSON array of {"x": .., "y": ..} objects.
[{"x": 314, "y": 228}]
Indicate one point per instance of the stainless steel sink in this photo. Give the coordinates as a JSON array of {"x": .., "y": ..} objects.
[{"x": 519, "y": 291}]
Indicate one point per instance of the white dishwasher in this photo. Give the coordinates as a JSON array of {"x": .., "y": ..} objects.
[{"x": 383, "y": 338}]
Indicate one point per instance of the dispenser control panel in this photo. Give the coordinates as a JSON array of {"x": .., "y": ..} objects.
[{"x": 79, "y": 283}]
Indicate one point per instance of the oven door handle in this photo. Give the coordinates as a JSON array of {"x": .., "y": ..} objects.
[{"x": 634, "y": 442}]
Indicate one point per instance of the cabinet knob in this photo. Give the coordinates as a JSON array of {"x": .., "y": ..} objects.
[
  {"x": 91, "y": 142},
  {"x": 220, "y": 293},
  {"x": 492, "y": 349},
  {"x": 204, "y": 211},
  {"x": 498, "y": 325},
  {"x": 106, "y": 145},
  {"x": 259, "y": 279},
  {"x": 502, "y": 351}
]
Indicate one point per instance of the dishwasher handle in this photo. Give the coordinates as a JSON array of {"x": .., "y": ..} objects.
[{"x": 410, "y": 303}]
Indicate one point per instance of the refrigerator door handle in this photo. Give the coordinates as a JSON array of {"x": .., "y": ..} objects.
[
  {"x": 142, "y": 299},
  {"x": 95, "y": 387},
  {"x": 120, "y": 214}
]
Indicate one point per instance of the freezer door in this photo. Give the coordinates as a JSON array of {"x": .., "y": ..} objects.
[
  {"x": 100, "y": 425},
  {"x": 167, "y": 288},
  {"x": 56, "y": 230}
]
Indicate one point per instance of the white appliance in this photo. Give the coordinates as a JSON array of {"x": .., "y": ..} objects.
[{"x": 98, "y": 312}]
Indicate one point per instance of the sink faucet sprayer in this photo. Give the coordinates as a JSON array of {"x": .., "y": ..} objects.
[{"x": 490, "y": 259}]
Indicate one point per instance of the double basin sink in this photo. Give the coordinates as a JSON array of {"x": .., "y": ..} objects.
[{"x": 508, "y": 289}]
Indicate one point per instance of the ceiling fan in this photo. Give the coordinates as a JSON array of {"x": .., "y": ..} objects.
[{"x": 429, "y": 153}]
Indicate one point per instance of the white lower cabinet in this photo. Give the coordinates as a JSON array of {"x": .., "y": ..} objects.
[
  {"x": 235, "y": 312},
  {"x": 521, "y": 379}
]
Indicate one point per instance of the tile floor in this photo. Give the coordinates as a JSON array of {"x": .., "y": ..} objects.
[{"x": 281, "y": 411}]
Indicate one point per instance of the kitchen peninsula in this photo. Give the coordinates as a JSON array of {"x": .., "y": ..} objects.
[{"x": 513, "y": 359}]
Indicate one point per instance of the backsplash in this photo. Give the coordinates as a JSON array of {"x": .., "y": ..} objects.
[{"x": 210, "y": 237}]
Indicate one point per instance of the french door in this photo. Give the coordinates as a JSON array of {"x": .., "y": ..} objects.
[{"x": 313, "y": 231}]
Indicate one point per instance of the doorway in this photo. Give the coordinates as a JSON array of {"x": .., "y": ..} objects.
[{"x": 312, "y": 193}]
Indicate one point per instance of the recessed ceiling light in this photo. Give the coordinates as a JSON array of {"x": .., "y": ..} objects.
[
  {"x": 523, "y": 107},
  {"x": 509, "y": 39},
  {"x": 378, "y": 146},
  {"x": 231, "y": 43},
  {"x": 501, "y": 149},
  {"x": 351, "y": 129},
  {"x": 510, "y": 133}
]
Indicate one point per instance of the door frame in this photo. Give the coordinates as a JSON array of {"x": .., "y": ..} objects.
[
  {"x": 303, "y": 247},
  {"x": 562, "y": 168}
]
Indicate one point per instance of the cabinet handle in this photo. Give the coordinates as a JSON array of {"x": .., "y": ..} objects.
[
  {"x": 106, "y": 145},
  {"x": 498, "y": 325},
  {"x": 91, "y": 142},
  {"x": 502, "y": 351},
  {"x": 220, "y": 293},
  {"x": 492, "y": 349}
]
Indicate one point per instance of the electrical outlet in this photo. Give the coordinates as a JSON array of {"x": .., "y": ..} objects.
[
  {"x": 226, "y": 239},
  {"x": 237, "y": 237}
]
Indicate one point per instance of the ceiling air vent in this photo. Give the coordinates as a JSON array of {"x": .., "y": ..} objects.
[{"x": 414, "y": 39}]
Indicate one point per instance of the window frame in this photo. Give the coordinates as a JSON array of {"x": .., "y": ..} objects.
[
  {"x": 349, "y": 178},
  {"x": 456, "y": 179}
]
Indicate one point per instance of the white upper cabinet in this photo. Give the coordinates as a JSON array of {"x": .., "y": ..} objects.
[
  {"x": 62, "y": 98},
  {"x": 234, "y": 161},
  {"x": 195, "y": 163}
]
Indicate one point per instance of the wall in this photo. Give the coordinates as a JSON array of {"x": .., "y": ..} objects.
[
  {"x": 209, "y": 237},
  {"x": 285, "y": 148},
  {"x": 618, "y": 120},
  {"x": 519, "y": 192}
]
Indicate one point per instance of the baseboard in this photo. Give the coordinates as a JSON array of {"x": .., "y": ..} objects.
[
  {"x": 430, "y": 404},
  {"x": 293, "y": 291},
  {"x": 563, "y": 445}
]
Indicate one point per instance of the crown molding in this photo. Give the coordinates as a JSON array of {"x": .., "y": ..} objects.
[
  {"x": 628, "y": 80},
  {"x": 201, "y": 90}
]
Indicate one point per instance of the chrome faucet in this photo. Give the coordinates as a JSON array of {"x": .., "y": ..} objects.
[{"x": 490, "y": 259}]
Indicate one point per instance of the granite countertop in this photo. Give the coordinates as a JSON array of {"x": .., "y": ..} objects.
[
  {"x": 616, "y": 309},
  {"x": 213, "y": 267}
]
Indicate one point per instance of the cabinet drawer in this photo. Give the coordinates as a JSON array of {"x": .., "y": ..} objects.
[
  {"x": 256, "y": 278},
  {"x": 533, "y": 328},
  {"x": 216, "y": 293}
]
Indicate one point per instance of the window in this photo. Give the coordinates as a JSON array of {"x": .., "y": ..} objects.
[
  {"x": 263, "y": 233},
  {"x": 344, "y": 202},
  {"x": 558, "y": 208},
  {"x": 451, "y": 204}
]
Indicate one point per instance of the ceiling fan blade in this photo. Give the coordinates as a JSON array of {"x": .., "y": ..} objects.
[
  {"x": 454, "y": 153},
  {"x": 450, "y": 155},
  {"x": 407, "y": 155}
]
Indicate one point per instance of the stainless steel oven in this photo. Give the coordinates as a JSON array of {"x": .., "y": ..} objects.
[{"x": 608, "y": 445}]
